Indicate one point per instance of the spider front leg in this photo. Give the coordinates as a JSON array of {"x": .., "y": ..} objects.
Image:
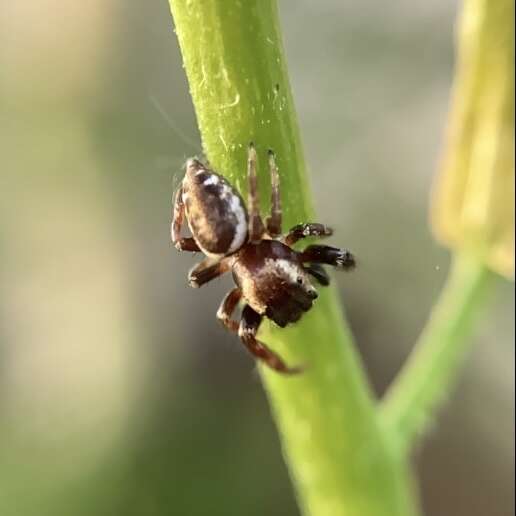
[
  {"x": 340, "y": 258},
  {"x": 181, "y": 244},
  {"x": 273, "y": 222},
  {"x": 226, "y": 309},
  {"x": 305, "y": 230},
  {"x": 247, "y": 332},
  {"x": 318, "y": 272},
  {"x": 256, "y": 228},
  {"x": 207, "y": 270}
]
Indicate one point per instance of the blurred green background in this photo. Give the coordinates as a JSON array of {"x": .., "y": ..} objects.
[{"x": 120, "y": 394}]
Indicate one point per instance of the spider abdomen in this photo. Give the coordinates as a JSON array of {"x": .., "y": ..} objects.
[
  {"x": 215, "y": 211},
  {"x": 273, "y": 281}
]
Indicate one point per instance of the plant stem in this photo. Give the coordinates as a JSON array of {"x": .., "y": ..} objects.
[
  {"x": 432, "y": 368},
  {"x": 338, "y": 457}
]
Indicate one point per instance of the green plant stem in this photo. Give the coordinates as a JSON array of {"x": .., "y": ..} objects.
[
  {"x": 433, "y": 366},
  {"x": 339, "y": 460}
]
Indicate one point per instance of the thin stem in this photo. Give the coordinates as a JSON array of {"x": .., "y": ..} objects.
[
  {"x": 433, "y": 367},
  {"x": 337, "y": 455}
]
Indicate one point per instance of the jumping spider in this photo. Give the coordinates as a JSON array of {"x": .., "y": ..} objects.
[{"x": 271, "y": 277}]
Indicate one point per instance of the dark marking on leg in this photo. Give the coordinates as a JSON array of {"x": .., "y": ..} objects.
[
  {"x": 307, "y": 230},
  {"x": 340, "y": 258},
  {"x": 256, "y": 228},
  {"x": 187, "y": 244},
  {"x": 226, "y": 309},
  {"x": 207, "y": 270},
  {"x": 319, "y": 273},
  {"x": 274, "y": 221},
  {"x": 247, "y": 332},
  {"x": 181, "y": 244}
]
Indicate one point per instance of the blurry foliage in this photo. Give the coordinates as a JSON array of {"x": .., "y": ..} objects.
[{"x": 474, "y": 202}]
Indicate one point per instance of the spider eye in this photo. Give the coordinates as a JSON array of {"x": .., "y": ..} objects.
[{"x": 299, "y": 280}]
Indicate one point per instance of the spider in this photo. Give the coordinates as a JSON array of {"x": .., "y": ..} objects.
[{"x": 271, "y": 277}]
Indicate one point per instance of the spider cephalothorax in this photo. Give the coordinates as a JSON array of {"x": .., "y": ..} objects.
[{"x": 272, "y": 279}]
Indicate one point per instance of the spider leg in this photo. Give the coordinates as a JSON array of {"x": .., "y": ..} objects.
[
  {"x": 247, "y": 332},
  {"x": 308, "y": 229},
  {"x": 227, "y": 307},
  {"x": 274, "y": 221},
  {"x": 317, "y": 271},
  {"x": 181, "y": 244},
  {"x": 340, "y": 258},
  {"x": 255, "y": 221},
  {"x": 207, "y": 270}
]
